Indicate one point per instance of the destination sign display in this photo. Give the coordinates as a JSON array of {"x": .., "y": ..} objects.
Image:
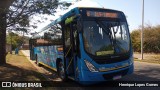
[{"x": 102, "y": 14}]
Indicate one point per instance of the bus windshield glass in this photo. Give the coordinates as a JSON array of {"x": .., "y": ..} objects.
[{"x": 106, "y": 37}]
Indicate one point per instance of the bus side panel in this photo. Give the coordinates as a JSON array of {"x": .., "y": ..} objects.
[{"x": 48, "y": 55}]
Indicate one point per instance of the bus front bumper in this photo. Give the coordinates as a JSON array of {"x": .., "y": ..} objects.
[{"x": 94, "y": 77}]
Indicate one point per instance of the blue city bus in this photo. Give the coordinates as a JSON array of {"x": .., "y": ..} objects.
[{"x": 86, "y": 44}]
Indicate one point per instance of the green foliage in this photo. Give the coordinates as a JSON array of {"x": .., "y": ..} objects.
[
  {"x": 136, "y": 43},
  {"x": 16, "y": 40},
  {"x": 151, "y": 39},
  {"x": 20, "y": 12},
  {"x": 17, "y": 16}
]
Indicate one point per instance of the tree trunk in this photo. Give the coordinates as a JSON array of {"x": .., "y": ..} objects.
[
  {"x": 4, "y": 6},
  {"x": 2, "y": 37}
]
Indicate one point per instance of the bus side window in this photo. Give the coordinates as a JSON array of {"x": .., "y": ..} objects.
[
  {"x": 67, "y": 37},
  {"x": 76, "y": 40},
  {"x": 75, "y": 36},
  {"x": 67, "y": 42}
]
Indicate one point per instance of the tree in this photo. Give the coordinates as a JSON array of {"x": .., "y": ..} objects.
[
  {"x": 16, "y": 40},
  {"x": 151, "y": 39},
  {"x": 21, "y": 10},
  {"x": 136, "y": 41},
  {"x": 16, "y": 13},
  {"x": 4, "y": 6}
]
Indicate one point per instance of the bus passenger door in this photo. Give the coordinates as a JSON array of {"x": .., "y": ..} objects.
[{"x": 69, "y": 36}]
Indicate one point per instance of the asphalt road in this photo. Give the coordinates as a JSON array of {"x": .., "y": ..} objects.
[{"x": 142, "y": 72}]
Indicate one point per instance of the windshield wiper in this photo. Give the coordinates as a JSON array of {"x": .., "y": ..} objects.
[
  {"x": 108, "y": 31},
  {"x": 105, "y": 29},
  {"x": 116, "y": 45}
]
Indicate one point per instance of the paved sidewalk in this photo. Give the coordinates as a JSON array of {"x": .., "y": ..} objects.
[{"x": 26, "y": 53}]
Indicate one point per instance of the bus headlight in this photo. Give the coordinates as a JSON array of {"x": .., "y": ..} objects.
[{"x": 90, "y": 66}]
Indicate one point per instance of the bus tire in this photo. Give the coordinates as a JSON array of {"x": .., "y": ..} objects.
[
  {"x": 61, "y": 70},
  {"x": 37, "y": 61}
]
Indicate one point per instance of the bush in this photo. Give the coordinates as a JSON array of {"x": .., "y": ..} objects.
[{"x": 151, "y": 42}]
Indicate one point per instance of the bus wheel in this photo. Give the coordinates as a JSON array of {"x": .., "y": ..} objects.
[
  {"x": 37, "y": 61},
  {"x": 61, "y": 71}
]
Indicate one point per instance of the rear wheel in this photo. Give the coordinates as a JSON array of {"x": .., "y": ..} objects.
[
  {"x": 61, "y": 71},
  {"x": 37, "y": 61}
]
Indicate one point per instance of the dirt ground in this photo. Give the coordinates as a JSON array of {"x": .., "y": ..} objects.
[
  {"x": 147, "y": 57},
  {"x": 18, "y": 68}
]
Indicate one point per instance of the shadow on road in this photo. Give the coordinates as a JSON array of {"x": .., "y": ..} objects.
[
  {"x": 142, "y": 76},
  {"x": 13, "y": 73}
]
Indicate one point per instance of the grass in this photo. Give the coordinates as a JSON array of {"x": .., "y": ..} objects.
[
  {"x": 150, "y": 58},
  {"x": 18, "y": 68}
]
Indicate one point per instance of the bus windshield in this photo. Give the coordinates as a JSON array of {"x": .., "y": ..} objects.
[{"x": 110, "y": 37}]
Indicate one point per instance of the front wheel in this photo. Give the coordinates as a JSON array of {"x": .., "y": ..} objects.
[{"x": 61, "y": 71}]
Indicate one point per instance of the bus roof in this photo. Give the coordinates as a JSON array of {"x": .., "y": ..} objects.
[{"x": 69, "y": 13}]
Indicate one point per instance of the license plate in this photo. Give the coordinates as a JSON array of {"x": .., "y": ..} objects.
[{"x": 117, "y": 77}]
